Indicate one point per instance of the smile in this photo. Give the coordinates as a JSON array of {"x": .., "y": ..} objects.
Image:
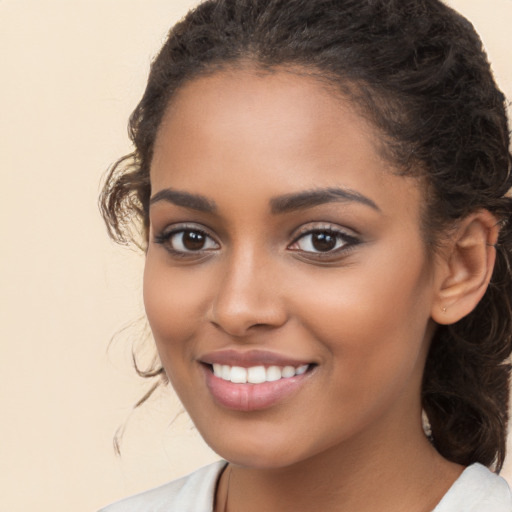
[
  {"x": 256, "y": 374},
  {"x": 254, "y": 388}
]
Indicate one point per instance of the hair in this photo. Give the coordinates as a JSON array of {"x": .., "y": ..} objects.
[{"x": 417, "y": 70}]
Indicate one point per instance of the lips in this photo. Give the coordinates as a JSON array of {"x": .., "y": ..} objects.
[
  {"x": 250, "y": 358},
  {"x": 253, "y": 380}
]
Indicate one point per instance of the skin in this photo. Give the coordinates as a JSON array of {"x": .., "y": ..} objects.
[{"x": 351, "y": 437}]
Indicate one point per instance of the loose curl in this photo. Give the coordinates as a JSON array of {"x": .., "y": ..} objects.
[{"x": 417, "y": 70}]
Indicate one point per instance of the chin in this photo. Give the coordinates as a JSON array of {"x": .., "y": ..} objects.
[
  {"x": 259, "y": 459},
  {"x": 260, "y": 451}
]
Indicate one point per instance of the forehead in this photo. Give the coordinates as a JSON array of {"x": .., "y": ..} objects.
[
  {"x": 264, "y": 110},
  {"x": 268, "y": 133},
  {"x": 254, "y": 93}
]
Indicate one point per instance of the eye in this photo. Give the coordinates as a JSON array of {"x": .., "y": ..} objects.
[
  {"x": 186, "y": 241},
  {"x": 323, "y": 241}
]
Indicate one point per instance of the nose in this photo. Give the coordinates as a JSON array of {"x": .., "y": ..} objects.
[{"x": 248, "y": 296}]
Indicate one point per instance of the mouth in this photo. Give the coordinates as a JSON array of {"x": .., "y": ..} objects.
[{"x": 254, "y": 388}]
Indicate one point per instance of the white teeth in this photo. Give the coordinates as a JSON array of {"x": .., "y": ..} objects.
[
  {"x": 288, "y": 371},
  {"x": 301, "y": 369},
  {"x": 226, "y": 372},
  {"x": 273, "y": 373},
  {"x": 217, "y": 370},
  {"x": 256, "y": 374},
  {"x": 238, "y": 375}
]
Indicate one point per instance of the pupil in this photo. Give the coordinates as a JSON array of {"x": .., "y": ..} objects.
[
  {"x": 324, "y": 242},
  {"x": 193, "y": 240}
]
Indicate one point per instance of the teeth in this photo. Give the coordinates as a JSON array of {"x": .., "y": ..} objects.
[
  {"x": 301, "y": 369},
  {"x": 256, "y": 374},
  {"x": 226, "y": 372},
  {"x": 238, "y": 375},
  {"x": 273, "y": 373},
  {"x": 287, "y": 372}
]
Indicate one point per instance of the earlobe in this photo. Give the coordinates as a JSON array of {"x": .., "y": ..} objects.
[{"x": 466, "y": 267}]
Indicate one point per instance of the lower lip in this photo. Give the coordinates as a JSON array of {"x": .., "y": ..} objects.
[{"x": 252, "y": 397}]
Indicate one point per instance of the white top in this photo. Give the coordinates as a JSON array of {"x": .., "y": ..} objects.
[{"x": 476, "y": 490}]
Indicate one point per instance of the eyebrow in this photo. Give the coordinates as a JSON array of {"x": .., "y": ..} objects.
[
  {"x": 316, "y": 197},
  {"x": 278, "y": 205},
  {"x": 185, "y": 199}
]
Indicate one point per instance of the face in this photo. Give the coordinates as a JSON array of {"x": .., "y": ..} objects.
[{"x": 286, "y": 280}]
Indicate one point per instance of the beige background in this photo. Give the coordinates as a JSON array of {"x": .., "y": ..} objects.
[{"x": 71, "y": 72}]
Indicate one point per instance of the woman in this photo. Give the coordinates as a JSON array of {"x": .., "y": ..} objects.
[{"x": 322, "y": 190}]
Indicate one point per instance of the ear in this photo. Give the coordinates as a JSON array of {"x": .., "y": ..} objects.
[{"x": 465, "y": 267}]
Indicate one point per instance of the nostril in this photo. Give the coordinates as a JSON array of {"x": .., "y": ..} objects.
[{"x": 240, "y": 310}]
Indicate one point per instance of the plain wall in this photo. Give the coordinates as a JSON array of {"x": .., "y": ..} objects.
[{"x": 71, "y": 72}]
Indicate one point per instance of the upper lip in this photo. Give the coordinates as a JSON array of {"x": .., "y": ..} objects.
[{"x": 249, "y": 358}]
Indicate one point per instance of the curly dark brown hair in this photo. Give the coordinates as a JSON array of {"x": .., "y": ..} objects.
[{"x": 416, "y": 69}]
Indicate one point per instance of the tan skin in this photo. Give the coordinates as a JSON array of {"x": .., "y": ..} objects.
[{"x": 361, "y": 310}]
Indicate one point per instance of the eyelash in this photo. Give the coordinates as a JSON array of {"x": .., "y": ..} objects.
[
  {"x": 165, "y": 239},
  {"x": 348, "y": 242}
]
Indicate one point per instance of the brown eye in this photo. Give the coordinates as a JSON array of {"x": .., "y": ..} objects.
[
  {"x": 187, "y": 241},
  {"x": 323, "y": 242},
  {"x": 193, "y": 240}
]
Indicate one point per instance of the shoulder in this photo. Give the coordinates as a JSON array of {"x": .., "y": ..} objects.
[
  {"x": 477, "y": 490},
  {"x": 191, "y": 493}
]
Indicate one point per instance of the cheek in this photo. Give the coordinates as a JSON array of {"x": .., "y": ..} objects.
[
  {"x": 174, "y": 304},
  {"x": 372, "y": 320}
]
